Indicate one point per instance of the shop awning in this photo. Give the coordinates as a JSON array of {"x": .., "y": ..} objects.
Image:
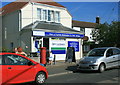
[{"x": 53, "y": 30}]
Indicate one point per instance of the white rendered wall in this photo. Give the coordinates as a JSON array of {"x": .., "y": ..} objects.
[
  {"x": 88, "y": 32},
  {"x": 78, "y": 55},
  {"x": 29, "y": 14}
]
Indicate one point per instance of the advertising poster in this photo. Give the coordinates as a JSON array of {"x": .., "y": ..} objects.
[
  {"x": 74, "y": 44},
  {"x": 58, "y": 46}
]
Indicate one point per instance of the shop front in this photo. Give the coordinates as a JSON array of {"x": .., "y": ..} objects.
[
  {"x": 57, "y": 42},
  {"x": 55, "y": 37}
]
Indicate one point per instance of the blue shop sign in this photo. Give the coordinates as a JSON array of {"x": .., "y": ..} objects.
[
  {"x": 52, "y": 34},
  {"x": 74, "y": 44}
]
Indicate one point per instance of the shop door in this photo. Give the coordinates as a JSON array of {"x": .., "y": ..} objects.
[{"x": 46, "y": 43}]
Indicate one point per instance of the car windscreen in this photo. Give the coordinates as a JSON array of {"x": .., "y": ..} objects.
[{"x": 96, "y": 53}]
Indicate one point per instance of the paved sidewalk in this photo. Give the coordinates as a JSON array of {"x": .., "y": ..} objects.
[
  {"x": 59, "y": 67},
  {"x": 60, "y": 64},
  {"x": 56, "y": 64}
]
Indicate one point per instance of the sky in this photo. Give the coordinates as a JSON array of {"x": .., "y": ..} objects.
[{"x": 88, "y": 10}]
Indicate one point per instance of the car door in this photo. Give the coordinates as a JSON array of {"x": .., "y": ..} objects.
[
  {"x": 110, "y": 58},
  {"x": 3, "y": 70},
  {"x": 18, "y": 69},
  {"x": 116, "y": 53}
]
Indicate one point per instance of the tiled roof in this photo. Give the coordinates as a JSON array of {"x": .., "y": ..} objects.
[
  {"x": 83, "y": 24},
  {"x": 12, "y": 7},
  {"x": 48, "y": 2},
  {"x": 17, "y": 5},
  {"x": 52, "y": 3}
]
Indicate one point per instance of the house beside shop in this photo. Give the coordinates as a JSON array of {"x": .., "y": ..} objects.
[
  {"x": 87, "y": 28},
  {"x": 34, "y": 24}
]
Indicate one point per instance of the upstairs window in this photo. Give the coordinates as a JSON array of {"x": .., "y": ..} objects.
[
  {"x": 39, "y": 14},
  {"x": 44, "y": 15},
  {"x": 52, "y": 16},
  {"x": 48, "y": 15},
  {"x": 57, "y": 16}
]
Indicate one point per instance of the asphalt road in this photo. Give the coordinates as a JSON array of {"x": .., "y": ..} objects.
[
  {"x": 63, "y": 75},
  {"x": 109, "y": 76}
]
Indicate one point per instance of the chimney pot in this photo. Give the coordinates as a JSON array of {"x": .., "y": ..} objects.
[{"x": 98, "y": 19}]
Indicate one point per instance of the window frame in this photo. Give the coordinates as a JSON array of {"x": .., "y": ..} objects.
[
  {"x": 49, "y": 16},
  {"x": 107, "y": 52},
  {"x": 39, "y": 15},
  {"x": 44, "y": 15},
  {"x": 2, "y": 61},
  {"x": 57, "y": 17},
  {"x": 116, "y": 53}
]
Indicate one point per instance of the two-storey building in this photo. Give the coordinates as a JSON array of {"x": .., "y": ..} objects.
[{"x": 35, "y": 24}]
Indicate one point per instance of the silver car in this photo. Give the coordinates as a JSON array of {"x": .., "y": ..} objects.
[{"x": 100, "y": 59}]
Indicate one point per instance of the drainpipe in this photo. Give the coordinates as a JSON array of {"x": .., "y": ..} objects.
[
  {"x": 20, "y": 27},
  {"x": 32, "y": 9},
  {"x": 32, "y": 13}
]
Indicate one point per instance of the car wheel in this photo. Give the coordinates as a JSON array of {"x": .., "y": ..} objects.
[
  {"x": 101, "y": 68},
  {"x": 40, "y": 78}
]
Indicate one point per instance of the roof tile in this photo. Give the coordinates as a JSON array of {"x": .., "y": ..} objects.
[
  {"x": 83, "y": 24},
  {"x": 17, "y": 5},
  {"x": 13, "y": 7}
]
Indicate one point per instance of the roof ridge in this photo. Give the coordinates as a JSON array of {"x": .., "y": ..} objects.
[
  {"x": 18, "y": 4},
  {"x": 83, "y": 24},
  {"x": 84, "y": 21}
]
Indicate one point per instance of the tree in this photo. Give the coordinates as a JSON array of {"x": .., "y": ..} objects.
[{"x": 107, "y": 34}]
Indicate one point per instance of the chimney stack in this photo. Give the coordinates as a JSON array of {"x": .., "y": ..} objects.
[{"x": 98, "y": 20}]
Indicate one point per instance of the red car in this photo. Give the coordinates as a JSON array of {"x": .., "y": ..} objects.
[{"x": 16, "y": 68}]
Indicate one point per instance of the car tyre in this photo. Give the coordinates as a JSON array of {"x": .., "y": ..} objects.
[
  {"x": 101, "y": 68},
  {"x": 40, "y": 78}
]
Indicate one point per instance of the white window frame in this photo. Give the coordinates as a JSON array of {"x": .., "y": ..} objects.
[
  {"x": 48, "y": 17},
  {"x": 52, "y": 16},
  {"x": 57, "y": 17},
  {"x": 39, "y": 16},
  {"x": 45, "y": 15}
]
